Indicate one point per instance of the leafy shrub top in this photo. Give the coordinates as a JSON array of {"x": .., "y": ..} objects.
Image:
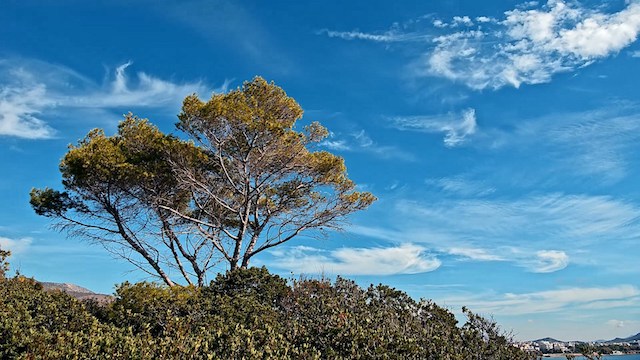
[{"x": 243, "y": 314}]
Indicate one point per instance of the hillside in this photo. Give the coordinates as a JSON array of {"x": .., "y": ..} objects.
[
  {"x": 77, "y": 292},
  {"x": 631, "y": 338},
  {"x": 547, "y": 339},
  {"x": 627, "y": 339}
]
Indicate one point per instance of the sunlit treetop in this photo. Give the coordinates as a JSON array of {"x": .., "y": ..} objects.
[{"x": 243, "y": 181}]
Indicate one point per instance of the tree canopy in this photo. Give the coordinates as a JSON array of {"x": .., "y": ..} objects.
[{"x": 243, "y": 181}]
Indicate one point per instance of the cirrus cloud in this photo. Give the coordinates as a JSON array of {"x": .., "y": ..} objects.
[
  {"x": 360, "y": 141},
  {"x": 560, "y": 229},
  {"x": 457, "y": 128},
  {"x": 548, "y": 301},
  {"x": 528, "y": 45},
  {"x": 19, "y": 111},
  {"x": 475, "y": 254},
  {"x": 29, "y": 89},
  {"x": 547, "y": 261},
  {"x": 16, "y": 246},
  {"x": 402, "y": 259}
]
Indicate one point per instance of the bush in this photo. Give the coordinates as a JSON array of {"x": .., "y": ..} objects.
[
  {"x": 244, "y": 314},
  {"x": 4, "y": 265}
]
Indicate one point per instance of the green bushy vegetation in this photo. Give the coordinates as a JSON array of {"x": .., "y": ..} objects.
[
  {"x": 4, "y": 265},
  {"x": 244, "y": 314}
]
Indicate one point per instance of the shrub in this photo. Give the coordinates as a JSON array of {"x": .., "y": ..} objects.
[
  {"x": 4, "y": 264},
  {"x": 244, "y": 314}
]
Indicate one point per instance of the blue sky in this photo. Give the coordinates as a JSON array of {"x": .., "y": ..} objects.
[{"x": 501, "y": 137}]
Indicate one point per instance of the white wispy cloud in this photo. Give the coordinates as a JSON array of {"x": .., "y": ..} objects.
[
  {"x": 30, "y": 89},
  {"x": 340, "y": 145},
  {"x": 144, "y": 90},
  {"x": 555, "y": 226},
  {"x": 527, "y": 45},
  {"x": 484, "y": 19},
  {"x": 360, "y": 141},
  {"x": 611, "y": 304},
  {"x": 462, "y": 21},
  {"x": 547, "y": 261},
  {"x": 546, "y": 301},
  {"x": 390, "y": 36},
  {"x": 530, "y": 45},
  {"x": 597, "y": 144},
  {"x": 475, "y": 254},
  {"x": 402, "y": 259},
  {"x": 232, "y": 22},
  {"x": 357, "y": 35},
  {"x": 552, "y": 216},
  {"x": 462, "y": 186},
  {"x": 16, "y": 246},
  {"x": 363, "y": 139},
  {"x": 635, "y": 54},
  {"x": 600, "y": 144},
  {"x": 542, "y": 261},
  {"x": 456, "y": 127},
  {"x": 20, "y": 106}
]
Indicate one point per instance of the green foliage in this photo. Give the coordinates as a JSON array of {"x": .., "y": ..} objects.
[
  {"x": 4, "y": 264},
  {"x": 151, "y": 307},
  {"x": 39, "y": 324},
  {"x": 254, "y": 283},
  {"x": 483, "y": 336},
  {"x": 246, "y": 180},
  {"x": 243, "y": 314},
  {"x": 589, "y": 351}
]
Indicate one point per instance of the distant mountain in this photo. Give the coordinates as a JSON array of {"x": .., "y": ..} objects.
[
  {"x": 547, "y": 339},
  {"x": 628, "y": 339},
  {"x": 77, "y": 292},
  {"x": 616, "y": 340}
]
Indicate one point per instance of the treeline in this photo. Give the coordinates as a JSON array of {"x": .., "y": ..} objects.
[
  {"x": 607, "y": 349},
  {"x": 244, "y": 314}
]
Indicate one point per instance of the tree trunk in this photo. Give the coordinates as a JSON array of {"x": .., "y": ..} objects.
[{"x": 233, "y": 264}]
